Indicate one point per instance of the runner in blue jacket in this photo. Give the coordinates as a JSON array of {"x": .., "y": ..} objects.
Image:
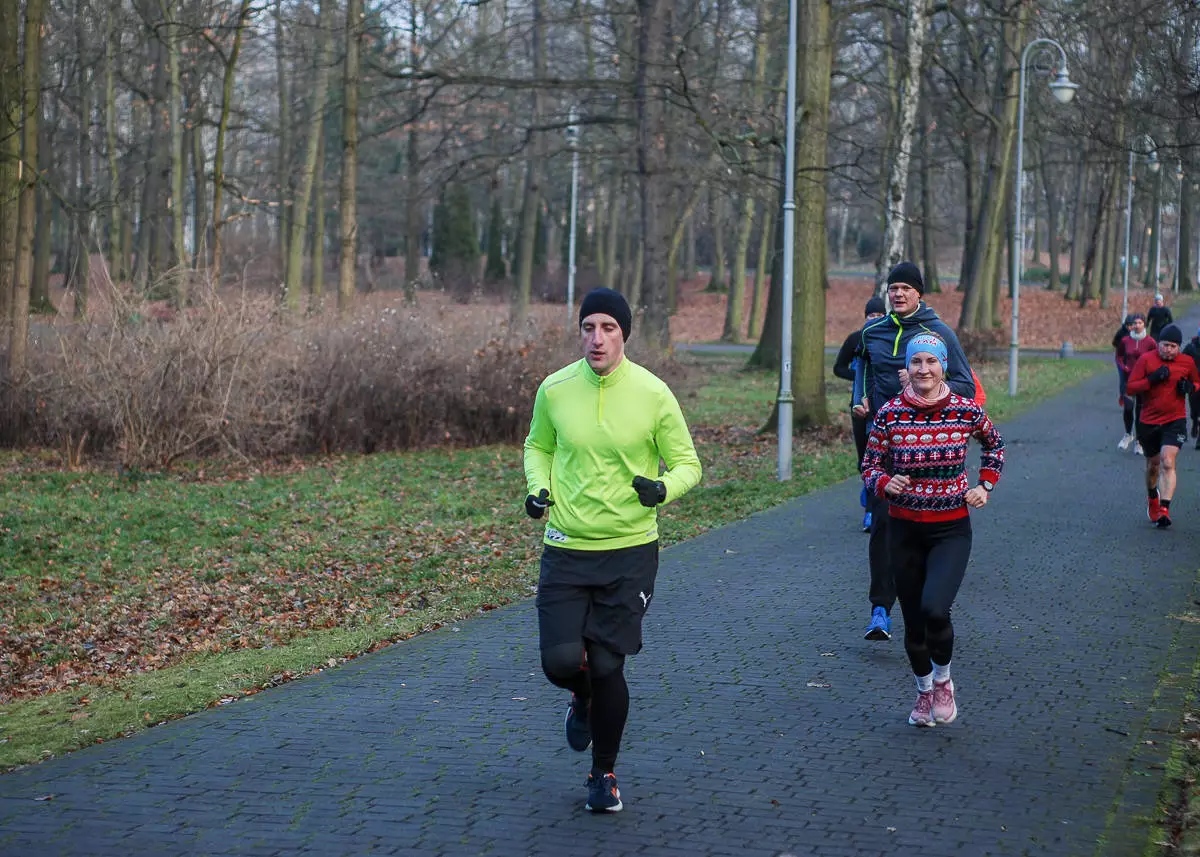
[{"x": 878, "y": 378}]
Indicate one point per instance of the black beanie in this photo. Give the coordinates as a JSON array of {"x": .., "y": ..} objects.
[
  {"x": 907, "y": 272},
  {"x": 875, "y": 304},
  {"x": 610, "y": 303},
  {"x": 1171, "y": 333}
]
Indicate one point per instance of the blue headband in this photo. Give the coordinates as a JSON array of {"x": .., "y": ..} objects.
[{"x": 930, "y": 344}]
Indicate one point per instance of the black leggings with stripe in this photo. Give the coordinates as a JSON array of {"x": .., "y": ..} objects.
[{"x": 928, "y": 560}]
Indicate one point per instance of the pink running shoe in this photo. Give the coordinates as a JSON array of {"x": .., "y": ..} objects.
[
  {"x": 922, "y": 713},
  {"x": 944, "y": 709}
]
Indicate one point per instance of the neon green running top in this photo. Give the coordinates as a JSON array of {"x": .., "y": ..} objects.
[{"x": 589, "y": 436}]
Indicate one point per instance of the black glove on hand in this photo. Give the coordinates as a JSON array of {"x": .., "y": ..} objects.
[
  {"x": 1185, "y": 387},
  {"x": 650, "y": 493},
  {"x": 535, "y": 507},
  {"x": 1159, "y": 375}
]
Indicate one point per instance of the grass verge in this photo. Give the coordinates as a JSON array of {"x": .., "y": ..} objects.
[{"x": 126, "y": 602}]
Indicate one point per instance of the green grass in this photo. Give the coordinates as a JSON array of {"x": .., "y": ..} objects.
[{"x": 127, "y": 602}]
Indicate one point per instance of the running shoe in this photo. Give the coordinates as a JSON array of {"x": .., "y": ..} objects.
[
  {"x": 867, "y": 516},
  {"x": 922, "y": 713},
  {"x": 1152, "y": 510},
  {"x": 1164, "y": 518},
  {"x": 1125, "y": 442},
  {"x": 576, "y": 725},
  {"x": 1137, "y": 448},
  {"x": 944, "y": 709},
  {"x": 880, "y": 627},
  {"x": 603, "y": 794}
]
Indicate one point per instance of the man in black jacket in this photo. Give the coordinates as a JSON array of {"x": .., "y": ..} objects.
[
  {"x": 1158, "y": 317},
  {"x": 843, "y": 367},
  {"x": 879, "y": 377}
]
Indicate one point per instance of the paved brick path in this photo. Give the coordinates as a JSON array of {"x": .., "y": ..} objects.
[{"x": 762, "y": 722}]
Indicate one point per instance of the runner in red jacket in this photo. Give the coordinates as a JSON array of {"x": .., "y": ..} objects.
[
  {"x": 1164, "y": 378},
  {"x": 1128, "y": 347}
]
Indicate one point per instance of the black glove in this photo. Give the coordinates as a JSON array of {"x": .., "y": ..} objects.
[
  {"x": 1159, "y": 375},
  {"x": 650, "y": 493},
  {"x": 535, "y": 507},
  {"x": 1185, "y": 387}
]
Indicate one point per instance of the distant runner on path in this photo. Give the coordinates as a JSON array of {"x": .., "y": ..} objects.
[
  {"x": 1129, "y": 347},
  {"x": 843, "y": 367},
  {"x": 1158, "y": 316},
  {"x": 916, "y": 458},
  {"x": 878, "y": 378},
  {"x": 1166, "y": 378},
  {"x": 599, "y": 428}
]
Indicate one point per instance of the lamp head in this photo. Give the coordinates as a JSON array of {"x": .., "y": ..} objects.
[
  {"x": 1063, "y": 88},
  {"x": 1152, "y": 163}
]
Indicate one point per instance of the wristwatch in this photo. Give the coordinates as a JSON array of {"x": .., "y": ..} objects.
[{"x": 986, "y": 486}]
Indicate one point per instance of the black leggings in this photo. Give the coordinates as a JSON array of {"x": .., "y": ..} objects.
[
  {"x": 1131, "y": 406},
  {"x": 928, "y": 563},
  {"x": 598, "y": 676}
]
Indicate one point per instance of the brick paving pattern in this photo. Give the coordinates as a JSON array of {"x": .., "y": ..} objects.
[{"x": 762, "y": 723}]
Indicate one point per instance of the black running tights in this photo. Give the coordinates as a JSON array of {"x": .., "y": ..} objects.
[
  {"x": 599, "y": 677},
  {"x": 928, "y": 560}
]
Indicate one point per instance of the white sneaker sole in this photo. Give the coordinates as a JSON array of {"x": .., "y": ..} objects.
[{"x": 953, "y": 716}]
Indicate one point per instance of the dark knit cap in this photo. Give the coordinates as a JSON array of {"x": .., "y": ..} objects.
[
  {"x": 1171, "y": 333},
  {"x": 875, "y": 304},
  {"x": 610, "y": 303},
  {"x": 907, "y": 272}
]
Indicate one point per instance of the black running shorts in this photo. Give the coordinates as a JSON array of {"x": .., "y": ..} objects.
[
  {"x": 596, "y": 595},
  {"x": 1154, "y": 437}
]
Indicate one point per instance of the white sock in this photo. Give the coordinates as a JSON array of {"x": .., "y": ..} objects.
[
  {"x": 924, "y": 683},
  {"x": 941, "y": 673}
]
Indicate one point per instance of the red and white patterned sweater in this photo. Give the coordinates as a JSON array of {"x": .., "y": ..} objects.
[{"x": 930, "y": 447}]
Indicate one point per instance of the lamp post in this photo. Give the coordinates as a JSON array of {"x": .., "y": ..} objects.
[
  {"x": 785, "y": 399},
  {"x": 1064, "y": 91},
  {"x": 1178, "y": 226},
  {"x": 1152, "y": 165},
  {"x": 573, "y": 142}
]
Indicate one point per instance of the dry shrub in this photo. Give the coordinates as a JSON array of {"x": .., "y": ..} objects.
[
  {"x": 237, "y": 377},
  {"x": 977, "y": 345}
]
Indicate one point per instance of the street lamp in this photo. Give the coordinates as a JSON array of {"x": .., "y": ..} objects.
[
  {"x": 1152, "y": 165},
  {"x": 1064, "y": 90},
  {"x": 785, "y": 399},
  {"x": 1178, "y": 224},
  {"x": 573, "y": 142}
]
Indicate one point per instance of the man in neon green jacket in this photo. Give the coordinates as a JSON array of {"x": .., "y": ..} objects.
[{"x": 592, "y": 458}]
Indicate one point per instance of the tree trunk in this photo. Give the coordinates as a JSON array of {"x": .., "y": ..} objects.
[
  {"x": 989, "y": 232},
  {"x": 616, "y": 199},
  {"x": 760, "y": 272},
  {"x": 650, "y": 104},
  {"x": 1187, "y": 228},
  {"x": 895, "y": 212},
  {"x": 199, "y": 191},
  {"x": 1052, "y": 215},
  {"x": 116, "y": 251},
  {"x": 294, "y": 280},
  {"x": 734, "y": 307},
  {"x": 812, "y": 143},
  {"x": 348, "y": 197},
  {"x": 39, "y": 284},
  {"x": 10, "y": 149},
  {"x": 770, "y": 344},
  {"x": 1078, "y": 228},
  {"x": 222, "y": 131},
  {"x": 1152, "y": 253},
  {"x": 31, "y": 92},
  {"x": 81, "y": 271},
  {"x": 174, "y": 110},
  {"x": 283, "y": 164},
  {"x": 928, "y": 212},
  {"x": 718, "y": 281},
  {"x": 532, "y": 198},
  {"x": 316, "y": 268}
]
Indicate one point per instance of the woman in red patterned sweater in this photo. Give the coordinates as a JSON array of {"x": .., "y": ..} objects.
[{"x": 916, "y": 458}]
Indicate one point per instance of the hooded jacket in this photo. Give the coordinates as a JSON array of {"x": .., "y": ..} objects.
[{"x": 881, "y": 356}]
